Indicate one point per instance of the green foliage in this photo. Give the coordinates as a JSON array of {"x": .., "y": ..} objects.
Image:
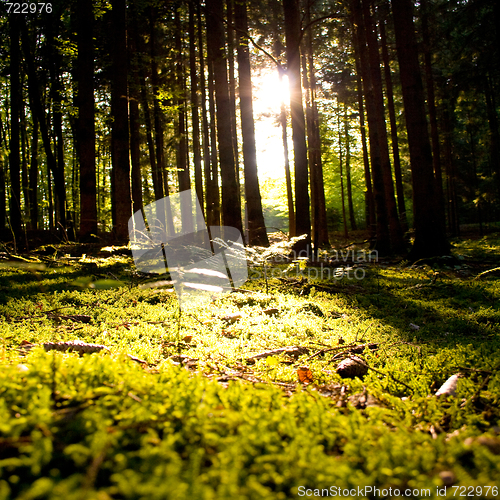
[{"x": 219, "y": 426}]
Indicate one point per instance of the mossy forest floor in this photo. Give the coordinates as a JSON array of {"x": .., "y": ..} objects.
[{"x": 216, "y": 410}]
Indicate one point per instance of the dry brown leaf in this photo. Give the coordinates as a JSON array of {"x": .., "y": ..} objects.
[{"x": 305, "y": 375}]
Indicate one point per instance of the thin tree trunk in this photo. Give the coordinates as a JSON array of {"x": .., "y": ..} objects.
[
  {"x": 3, "y": 205},
  {"x": 302, "y": 202},
  {"x": 158, "y": 181},
  {"x": 350, "y": 205},
  {"x": 383, "y": 241},
  {"x": 431, "y": 105},
  {"x": 231, "y": 203},
  {"x": 396, "y": 235},
  {"x": 341, "y": 168},
  {"x": 318, "y": 202},
  {"x": 135, "y": 123},
  {"x": 257, "y": 234},
  {"x": 369, "y": 200},
  {"x": 430, "y": 238},
  {"x": 394, "y": 127},
  {"x": 15, "y": 112},
  {"x": 288, "y": 179},
  {"x": 195, "y": 117},
  {"x": 232, "y": 84},
  {"x": 121, "y": 196}
]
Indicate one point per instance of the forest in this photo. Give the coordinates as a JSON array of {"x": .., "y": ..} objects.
[
  {"x": 388, "y": 119},
  {"x": 352, "y": 348}
]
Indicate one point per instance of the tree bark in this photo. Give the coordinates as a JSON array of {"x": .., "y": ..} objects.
[
  {"x": 392, "y": 119},
  {"x": 257, "y": 234},
  {"x": 231, "y": 204},
  {"x": 121, "y": 197},
  {"x": 195, "y": 117},
  {"x": 302, "y": 202},
  {"x": 383, "y": 242},
  {"x": 378, "y": 121},
  {"x": 15, "y": 112},
  {"x": 430, "y": 238}
]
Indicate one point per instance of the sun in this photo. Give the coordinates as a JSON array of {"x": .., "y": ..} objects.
[{"x": 268, "y": 95}]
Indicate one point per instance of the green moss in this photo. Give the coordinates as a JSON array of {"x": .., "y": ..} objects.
[{"x": 104, "y": 426}]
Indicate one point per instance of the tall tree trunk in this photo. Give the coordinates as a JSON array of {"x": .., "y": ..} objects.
[
  {"x": 195, "y": 117},
  {"x": 341, "y": 168},
  {"x": 3, "y": 205},
  {"x": 232, "y": 85},
  {"x": 396, "y": 235},
  {"x": 34, "y": 93},
  {"x": 430, "y": 237},
  {"x": 392, "y": 120},
  {"x": 369, "y": 200},
  {"x": 288, "y": 179},
  {"x": 33, "y": 177},
  {"x": 257, "y": 234},
  {"x": 210, "y": 199},
  {"x": 212, "y": 167},
  {"x": 383, "y": 241},
  {"x": 494, "y": 138},
  {"x": 231, "y": 203},
  {"x": 352, "y": 218},
  {"x": 431, "y": 104},
  {"x": 302, "y": 203},
  {"x": 121, "y": 197},
  {"x": 15, "y": 112},
  {"x": 314, "y": 145},
  {"x": 158, "y": 181},
  {"x": 135, "y": 123}
]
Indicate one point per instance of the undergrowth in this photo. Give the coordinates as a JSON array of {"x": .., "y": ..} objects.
[{"x": 218, "y": 412}]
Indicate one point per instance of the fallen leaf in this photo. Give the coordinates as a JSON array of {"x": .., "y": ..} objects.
[
  {"x": 187, "y": 338},
  {"x": 272, "y": 361},
  {"x": 305, "y": 375},
  {"x": 232, "y": 318},
  {"x": 271, "y": 311}
]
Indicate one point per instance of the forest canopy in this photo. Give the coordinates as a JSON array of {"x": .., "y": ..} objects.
[{"x": 385, "y": 120}]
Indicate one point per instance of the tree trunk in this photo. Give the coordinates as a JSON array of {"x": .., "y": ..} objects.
[
  {"x": 288, "y": 178},
  {"x": 394, "y": 127},
  {"x": 341, "y": 168},
  {"x": 302, "y": 203},
  {"x": 231, "y": 204},
  {"x": 135, "y": 121},
  {"x": 352, "y": 218},
  {"x": 430, "y": 238},
  {"x": 383, "y": 242},
  {"x": 378, "y": 121},
  {"x": 369, "y": 200},
  {"x": 15, "y": 112},
  {"x": 314, "y": 145},
  {"x": 257, "y": 234},
  {"x": 431, "y": 105},
  {"x": 121, "y": 197},
  {"x": 195, "y": 117},
  {"x": 158, "y": 181}
]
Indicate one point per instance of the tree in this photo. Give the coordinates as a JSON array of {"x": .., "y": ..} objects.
[
  {"x": 302, "y": 204},
  {"x": 15, "y": 111},
  {"x": 257, "y": 234},
  {"x": 120, "y": 193},
  {"x": 86, "y": 116},
  {"x": 231, "y": 205},
  {"x": 430, "y": 237}
]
